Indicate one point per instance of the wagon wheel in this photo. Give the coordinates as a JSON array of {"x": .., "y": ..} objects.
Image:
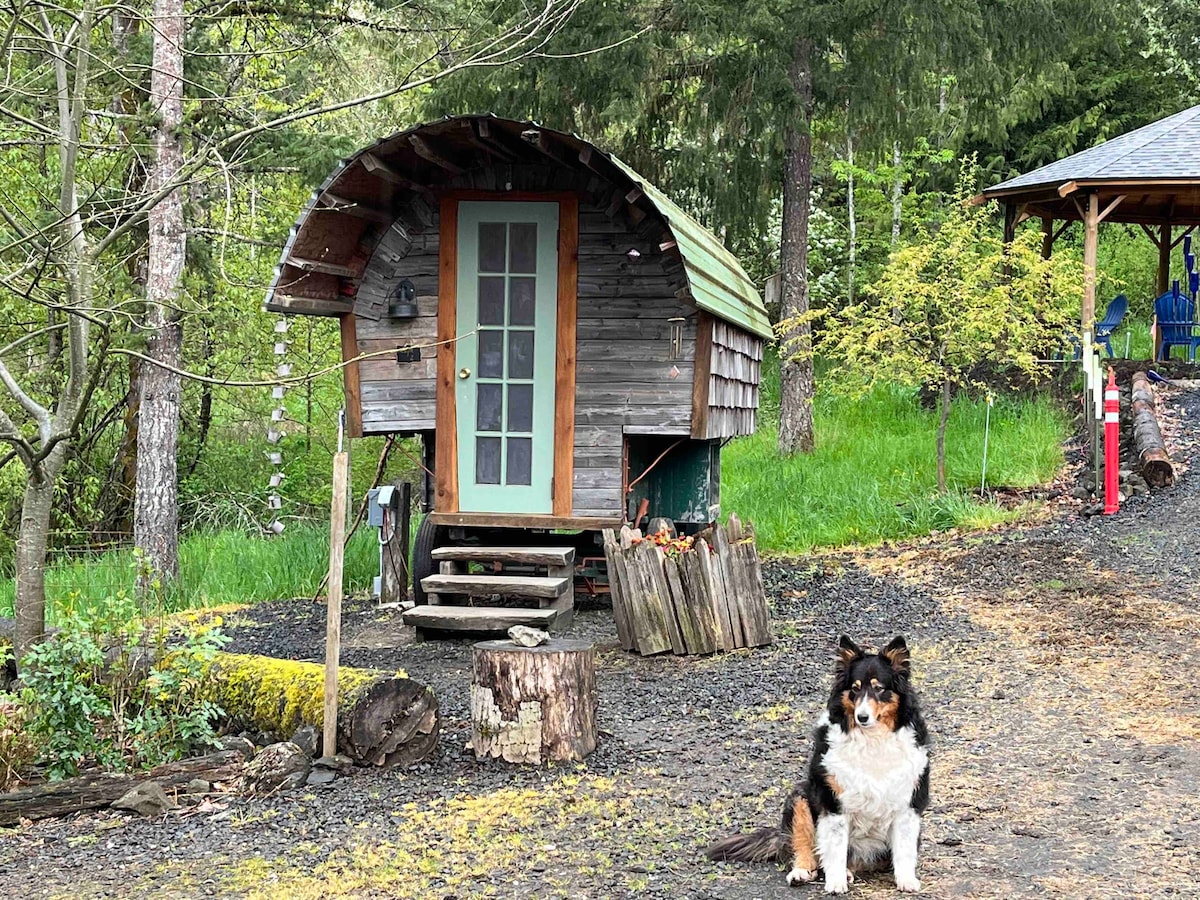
[{"x": 424, "y": 543}]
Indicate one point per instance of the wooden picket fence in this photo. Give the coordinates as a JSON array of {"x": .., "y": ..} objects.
[{"x": 699, "y": 600}]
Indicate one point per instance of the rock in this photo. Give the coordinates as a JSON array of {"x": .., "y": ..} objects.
[
  {"x": 321, "y": 775},
  {"x": 197, "y": 786},
  {"x": 524, "y": 636},
  {"x": 341, "y": 763},
  {"x": 307, "y": 739},
  {"x": 1079, "y": 492},
  {"x": 1139, "y": 487},
  {"x": 278, "y": 767},
  {"x": 1093, "y": 509},
  {"x": 148, "y": 799},
  {"x": 243, "y": 745}
]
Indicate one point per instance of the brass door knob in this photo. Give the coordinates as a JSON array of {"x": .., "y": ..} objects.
[{"x": 464, "y": 373}]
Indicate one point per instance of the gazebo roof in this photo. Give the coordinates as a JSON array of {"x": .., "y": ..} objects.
[{"x": 1156, "y": 168}]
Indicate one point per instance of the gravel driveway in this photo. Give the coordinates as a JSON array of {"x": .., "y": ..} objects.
[{"x": 1059, "y": 671}]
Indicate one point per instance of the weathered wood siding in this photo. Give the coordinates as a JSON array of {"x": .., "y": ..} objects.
[
  {"x": 630, "y": 373},
  {"x": 734, "y": 374}
]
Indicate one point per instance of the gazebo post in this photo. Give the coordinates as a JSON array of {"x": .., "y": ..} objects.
[
  {"x": 1091, "y": 230},
  {"x": 1164, "y": 258},
  {"x": 1010, "y": 222}
]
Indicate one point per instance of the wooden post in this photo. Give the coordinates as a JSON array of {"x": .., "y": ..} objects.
[
  {"x": 1010, "y": 223},
  {"x": 394, "y": 577},
  {"x": 1091, "y": 230},
  {"x": 333, "y": 604},
  {"x": 1164, "y": 260},
  {"x": 1047, "y": 237}
]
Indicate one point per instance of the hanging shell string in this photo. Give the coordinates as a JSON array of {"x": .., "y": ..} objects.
[{"x": 275, "y": 431}]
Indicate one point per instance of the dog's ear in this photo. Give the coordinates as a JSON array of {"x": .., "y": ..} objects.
[
  {"x": 847, "y": 653},
  {"x": 896, "y": 653}
]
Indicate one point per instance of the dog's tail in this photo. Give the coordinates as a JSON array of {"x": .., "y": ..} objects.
[{"x": 757, "y": 846}]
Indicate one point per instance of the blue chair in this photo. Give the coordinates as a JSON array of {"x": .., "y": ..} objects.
[
  {"x": 1106, "y": 326},
  {"x": 1176, "y": 314},
  {"x": 1112, "y": 318}
]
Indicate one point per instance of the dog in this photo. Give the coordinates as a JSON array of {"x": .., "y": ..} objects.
[{"x": 867, "y": 783}]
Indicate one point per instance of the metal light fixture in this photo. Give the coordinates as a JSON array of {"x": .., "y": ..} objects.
[{"x": 403, "y": 302}]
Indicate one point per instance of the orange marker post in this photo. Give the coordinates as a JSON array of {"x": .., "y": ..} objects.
[{"x": 1112, "y": 437}]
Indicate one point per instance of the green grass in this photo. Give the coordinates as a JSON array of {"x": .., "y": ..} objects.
[
  {"x": 215, "y": 568},
  {"x": 873, "y": 476}
]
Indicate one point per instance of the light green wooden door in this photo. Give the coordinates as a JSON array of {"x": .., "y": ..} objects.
[{"x": 508, "y": 294}]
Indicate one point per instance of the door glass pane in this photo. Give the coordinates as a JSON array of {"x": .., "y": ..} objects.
[
  {"x": 491, "y": 246},
  {"x": 520, "y": 407},
  {"x": 522, "y": 249},
  {"x": 520, "y": 460},
  {"x": 491, "y": 300},
  {"x": 488, "y": 407},
  {"x": 487, "y": 460},
  {"x": 520, "y": 354},
  {"x": 491, "y": 353},
  {"x": 520, "y": 302}
]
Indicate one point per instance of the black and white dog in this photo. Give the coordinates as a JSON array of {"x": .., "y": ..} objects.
[{"x": 867, "y": 785}]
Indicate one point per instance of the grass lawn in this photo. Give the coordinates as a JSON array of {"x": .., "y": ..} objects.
[
  {"x": 215, "y": 569},
  {"x": 873, "y": 475}
]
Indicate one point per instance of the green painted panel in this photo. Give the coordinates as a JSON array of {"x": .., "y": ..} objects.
[
  {"x": 505, "y": 357},
  {"x": 685, "y": 485}
]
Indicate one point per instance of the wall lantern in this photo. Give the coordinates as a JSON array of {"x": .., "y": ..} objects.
[
  {"x": 403, "y": 302},
  {"x": 676, "y": 336}
]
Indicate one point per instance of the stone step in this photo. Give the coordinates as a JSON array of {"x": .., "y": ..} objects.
[
  {"x": 543, "y": 588},
  {"x": 534, "y": 556},
  {"x": 477, "y": 618}
]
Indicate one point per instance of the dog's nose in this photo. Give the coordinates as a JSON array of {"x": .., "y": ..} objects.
[{"x": 863, "y": 718}]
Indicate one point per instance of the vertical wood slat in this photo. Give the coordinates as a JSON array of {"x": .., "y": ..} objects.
[
  {"x": 446, "y": 448},
  {"x": 702, "y": 367},
  {"x": 351, "y": 381},
  {"x": 723, "y": 588},
  {"x": 618, "y": 590},
  {"x": 650, "y": 558},
  {"x": 564, "y": 369},
  {"x": 333, "y": 599}
]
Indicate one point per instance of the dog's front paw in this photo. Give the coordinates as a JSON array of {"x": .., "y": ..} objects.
[
  {"x": 836, "y": 885},
  {"x": 910, "y": 884},
  {"x": 800, "y": 876}
]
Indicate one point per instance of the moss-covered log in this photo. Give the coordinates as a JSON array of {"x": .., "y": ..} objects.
[{"x": 384, "y": 719}]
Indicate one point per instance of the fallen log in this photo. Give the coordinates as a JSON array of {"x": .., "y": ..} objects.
[
  {"x": 384, "y": 719},
  {"x": 72, "y": 795},
  {"x": 1153, "y": 460}
]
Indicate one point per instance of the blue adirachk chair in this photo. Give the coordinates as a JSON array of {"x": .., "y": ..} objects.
[
  {"x": 1176, "y": 315},
  {"x": 1112, "y": 318}
]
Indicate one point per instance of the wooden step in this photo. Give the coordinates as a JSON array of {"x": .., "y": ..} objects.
[
  {"x": 547, "y": 588},
  {"x": 534, "y": 556},
  {"x": 477, "y": 618}
]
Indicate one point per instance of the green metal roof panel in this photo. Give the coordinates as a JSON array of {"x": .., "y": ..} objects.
[{"x": 717, "y": 280}]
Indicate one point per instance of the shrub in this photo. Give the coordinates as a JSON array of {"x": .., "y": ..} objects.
[{"x": 117, "y": 689}]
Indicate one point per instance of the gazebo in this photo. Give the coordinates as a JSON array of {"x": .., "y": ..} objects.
[{"x": 1149, "y": 176}]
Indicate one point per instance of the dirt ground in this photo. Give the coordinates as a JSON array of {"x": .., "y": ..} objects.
[{"x": 1058, "y": 668}]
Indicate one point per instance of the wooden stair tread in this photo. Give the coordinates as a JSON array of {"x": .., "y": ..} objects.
[
  {"x": 476, "y": 618},
  {"x": 549, "y": 587},
  {"x": 539, "y": 556}
]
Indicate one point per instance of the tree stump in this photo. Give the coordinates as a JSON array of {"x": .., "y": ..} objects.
[{"x": 533, "y": 704}]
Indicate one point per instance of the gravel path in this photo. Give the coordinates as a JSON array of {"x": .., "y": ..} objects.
[{"x": 1057, "y": 664}]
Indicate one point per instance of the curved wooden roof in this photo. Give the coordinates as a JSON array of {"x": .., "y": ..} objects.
[
  {"x": 398, "y": 176},
  {"x": 1155, "y": 168}
]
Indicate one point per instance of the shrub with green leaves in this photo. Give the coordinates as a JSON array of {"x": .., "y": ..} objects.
[{"x": 119, "y": 690}]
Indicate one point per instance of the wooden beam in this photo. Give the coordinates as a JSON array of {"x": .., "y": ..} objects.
[
  {"x": 1154, "y": 238},
  {"x": 328, "y": 268},
  {"x": 1179, "y": 240},
  {"x": 427, "y": 152},
  {"x": 1091, "y": 225},
  {"x": 307, "y": 306},
  {"x": 351, "y": 378},
  {"x": 1067, "y": 189},
  {"x": 1164, "y": 258},
  {"x": 334, "y": 203},
  {"x": 1010, "y": 223},
  {"x": 1062, "y": 228},
  {"x": 563, "y": 493},
  {"x": 701, "y": 370},
  {"x": 1116, "y": 201},
  {"x": 445, "y": 496},
  {"x": 486, "y": 144},
  {"x": 1047, "y": 237},
  {"x": 532, "y": 520}
]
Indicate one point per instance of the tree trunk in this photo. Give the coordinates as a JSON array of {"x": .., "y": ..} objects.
[
  {"x": 796, "y": 364},
  {"x": 897, "y": 193},
  {"x": 533, "y": 704},
  {"x": 943, "y": 418},
  {"x": 853, "y": 221},
  {"x": 156, "y": 505},
  {"x": 32, "y": 544}
]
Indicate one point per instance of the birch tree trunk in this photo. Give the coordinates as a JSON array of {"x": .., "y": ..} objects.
[
  {"x": 853, "y": 221},
  {"x": 897, "y": 193},
  {"x": 32, "y": 543},
  {"x": 796, "y": 366},
  {"x": 156, "y": 505},
  {"x": 943, "y": 418}
]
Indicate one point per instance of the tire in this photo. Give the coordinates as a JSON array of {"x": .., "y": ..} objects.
[{"x": 424, "y": 543}]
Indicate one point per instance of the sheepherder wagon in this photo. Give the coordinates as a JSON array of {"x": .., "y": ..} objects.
[{"x": 570, "y": 346}]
